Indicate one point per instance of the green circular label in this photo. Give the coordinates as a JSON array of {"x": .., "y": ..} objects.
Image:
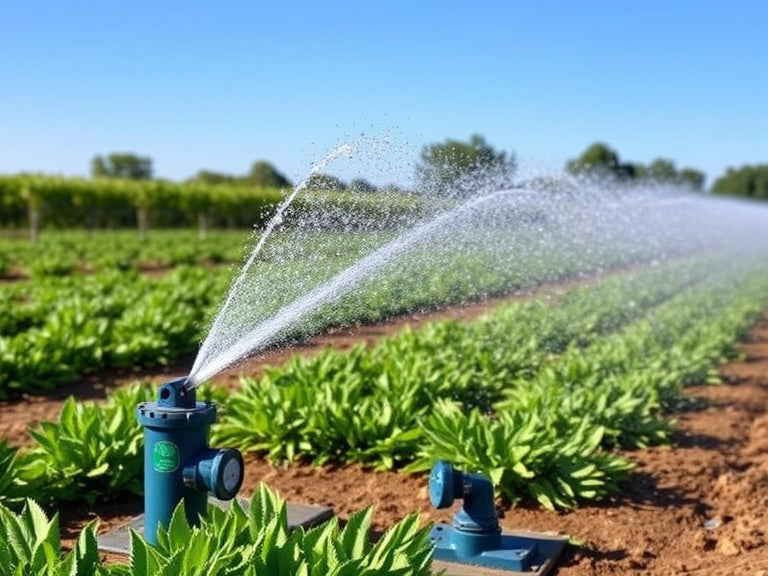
[{"x": 165, "y": 456}]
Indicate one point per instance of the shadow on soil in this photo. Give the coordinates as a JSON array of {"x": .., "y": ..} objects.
[
  {"x": 642, "y": 491},
  {"x": 72, "y": 520}
]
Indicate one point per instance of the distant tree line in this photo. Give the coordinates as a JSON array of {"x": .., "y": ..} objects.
[
  {"x": 329, "y": 183},
  {"x": 746, "y": 182},
  {"x": 126, "y": 165},
  {"x": 262, "y": 174},
  {"x": 130, "y": 166},
  {"x": 123, "y": 190},
  {"x": 452, "y": 168},
  {"x": 600, "y": 160},
  {"x": 457, "y": 168}
]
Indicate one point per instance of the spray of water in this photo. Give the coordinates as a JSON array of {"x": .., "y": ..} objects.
[
  {"x": 328, "y": 267},
  {"x": 331, "y": 291},
  {"x": 276, "y": 220}
]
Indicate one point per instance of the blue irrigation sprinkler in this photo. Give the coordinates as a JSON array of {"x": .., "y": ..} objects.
[
  {"x": 178, "y": 463},
  {"x": 474, "y": 536}
]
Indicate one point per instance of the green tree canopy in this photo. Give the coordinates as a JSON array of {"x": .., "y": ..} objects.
[
  {"x": 454, "y": 167},
  {"x": 211, "y": 177},
  {"x": 361, "y": 185},
  {"x": 265, "y": 175},
  {"x": 325, "y": 183},
  {"x": 601, "y": 160},
  {"x": 747, "y": 181},
  {"x": 693, "y": 178},
  {"x": 662, "y": 170},
  {"x": 125, "y": 165}
]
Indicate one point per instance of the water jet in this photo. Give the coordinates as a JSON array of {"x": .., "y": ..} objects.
[{"x": 514, "y": 228}]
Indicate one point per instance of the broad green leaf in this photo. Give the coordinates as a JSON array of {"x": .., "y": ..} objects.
[{"x": 354, "y": 536}]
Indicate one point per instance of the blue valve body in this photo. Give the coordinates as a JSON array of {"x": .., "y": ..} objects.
[
  {"x": 178, "y": 464},
  {"x": 474, "y": 536}
]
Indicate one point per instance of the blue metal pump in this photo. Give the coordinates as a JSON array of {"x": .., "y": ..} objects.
[
  {"x": 178, "y": 463},
  {"x": 474, "y": 536}
]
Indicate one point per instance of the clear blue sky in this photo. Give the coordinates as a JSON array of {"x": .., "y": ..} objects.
[{"x": 217, "y": 85}]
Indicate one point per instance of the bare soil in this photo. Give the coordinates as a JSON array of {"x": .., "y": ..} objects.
[{"x": 699, "y": 506}]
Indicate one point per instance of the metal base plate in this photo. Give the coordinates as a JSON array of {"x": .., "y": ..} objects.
[
  {"x": 118, "y": 541},
  {"x": 529, "y": 553}
]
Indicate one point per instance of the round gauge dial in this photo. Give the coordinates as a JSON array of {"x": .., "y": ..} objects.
[
  {"x": 441, "y": 484},
  {"x": 229, "y": 472},
  {"x": 232, "y": 475}
]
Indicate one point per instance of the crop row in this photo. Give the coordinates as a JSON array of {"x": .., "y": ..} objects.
[
  {"x": 536, "y": 394},
  {"x": 55, "y": 329},
  {"x": 251, "y": 541},
  {"x": 527, "y": 395},
  {"x": 364, "y": 405},
  {"x": 64, "y": 328},
  {"x": 613, "y": 393},
  {"x": 62, "y": 253}
]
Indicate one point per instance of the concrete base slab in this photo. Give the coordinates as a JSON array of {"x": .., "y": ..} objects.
[
  {"x": 549, "y": 550},
  {"x": 118, "y": 541}
]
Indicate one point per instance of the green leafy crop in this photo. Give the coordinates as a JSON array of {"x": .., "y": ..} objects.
[
  {"x": 257, "y": 540},
  {"x": 30, "y": 544},
  {"x": 10, "y": 491},
  {"x": 536, "y": 394},
  {"x": 92, "y": 452}
]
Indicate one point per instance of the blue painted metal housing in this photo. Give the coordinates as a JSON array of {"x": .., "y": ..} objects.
[
  {"x": 474, "y": 536},
  {"x": 178, "y": 463}
]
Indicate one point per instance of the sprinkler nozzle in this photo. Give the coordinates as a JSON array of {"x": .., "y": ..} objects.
[{"x": 177, "y": 394}]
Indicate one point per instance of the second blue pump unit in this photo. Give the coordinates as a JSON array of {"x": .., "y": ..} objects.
[
  {"x": 178, "y": 463},
  {"x": 475, "y": 536}
]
